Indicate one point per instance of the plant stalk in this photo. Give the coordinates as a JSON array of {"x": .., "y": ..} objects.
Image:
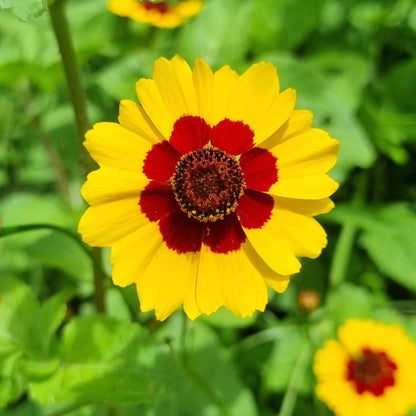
[{"x": 76, "y": 92}]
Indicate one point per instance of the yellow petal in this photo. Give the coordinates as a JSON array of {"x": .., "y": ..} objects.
[
  {"x": 307, "y": 154},
  {"x": 113, "y": 145},
  {"x": 256, "y": 101},
  {"x": 231, "y": 280},
  {"x": 308, "y": 187},
  {"x": 133, "y": 117},
  {"x": 304, "y": 235},
  {"x": 108, "y": 184},
  {"x": 272, "y": 245},
  {"x": 169, "y": 95},
  {"x": 104, "y": 224},
  {"x": 203, "y": 79},
  {"x": 225, "y": 81},
  {"x": 188, "y": 8},
  {"x": 310, "y": 208},
  {"x": 132, "y": 254},
  {"x": 276, "y": 281},
  {"x": 122, "y": 7},
  {"x": 330, "y": 362},
  {"x": 165, "y": 279},
  {"x": 169, "y": 281},
  {"x": 298, "y": 122}
]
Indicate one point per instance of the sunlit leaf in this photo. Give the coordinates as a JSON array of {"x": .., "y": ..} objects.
[{"x": 26, "y": 10}]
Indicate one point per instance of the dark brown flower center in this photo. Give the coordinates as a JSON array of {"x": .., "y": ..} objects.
[
  {"x": 208, "y": 183},
  {"x": 372, "y": 372}
]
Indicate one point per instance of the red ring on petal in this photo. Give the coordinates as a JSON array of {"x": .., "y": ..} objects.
[
  {"x": 157, "y": 200},
  {"x": 190, "y": 133},
  {"x": 225, "y": 235},
  {"x": 160, "y": 162},
  {"x": 181, "y": 233},
  {"x": 254, "y": 209},
  {"x": 260, "y": 169},
  {"x": 234, "y": 137}
]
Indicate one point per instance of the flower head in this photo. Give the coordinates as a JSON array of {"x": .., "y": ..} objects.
[
  {"x": 166, "y": 14},
  {"x": 206, "y": 191},
  {"x": 370, "y": 370}
]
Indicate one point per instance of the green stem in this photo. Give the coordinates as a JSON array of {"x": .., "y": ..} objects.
[
  {"x": 289, "y": 399},
  {"x": 72, "y": 74},
  {"x": 78, "y": 100},
  {"x": 342, "y": 254},
  {"x": 345, "y": 243},
  {"x": 6, "y": 231}
]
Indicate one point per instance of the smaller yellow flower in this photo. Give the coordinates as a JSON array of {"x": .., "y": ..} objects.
[
  {"x": 370, "y": 370},
  {"x": 161, "y": 14}
]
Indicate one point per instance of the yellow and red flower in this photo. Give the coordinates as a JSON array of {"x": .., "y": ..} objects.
[
  {"x": 166, "y": 14},
  {"x": 206, "y": 191},
  {"x": 370, "y": 370}
]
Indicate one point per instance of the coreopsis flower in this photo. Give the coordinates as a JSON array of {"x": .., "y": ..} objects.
[
  {"x": 369, "y": 370},
  {"x": 166, "y": 14},
  {"x": 206, "y": 191}
]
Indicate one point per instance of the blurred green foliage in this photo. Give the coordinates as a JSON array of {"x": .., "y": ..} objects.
[{"x": 353, "y": 63}]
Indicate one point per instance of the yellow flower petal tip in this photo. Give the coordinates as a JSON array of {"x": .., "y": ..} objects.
[
  {"x": 163, "y": 14},
  {"x": 207, "y": 189},
  {"x": 369, "y": 370}
]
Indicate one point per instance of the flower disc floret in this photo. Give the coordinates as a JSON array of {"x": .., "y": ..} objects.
[{"x": 208, "y": 183}]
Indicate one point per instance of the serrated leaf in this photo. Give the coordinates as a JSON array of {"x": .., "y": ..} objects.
[{"x": 25, "y": 10}]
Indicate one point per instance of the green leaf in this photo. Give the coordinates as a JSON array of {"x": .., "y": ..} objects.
[
  {"x": 18, "y": 307},
  {"x": 26, "y": 336},
  {"x": 277, "y": 370},
  {"x": 349, "y": 301},
  {"x": 285, "y": 24},
  {"x": 25, "y": 208},
  {"x": 26, "y": 324},
  {"x": 24, "y": 409},
  {"x": 391, "y": 243},
  {"x": 61, "y": 252},
  {"x": 102, "y": 360},
  {"x": 206, "y": 382},
  {"x": 25, "y": 10},
  {"x": 218, "y": 34},
  {"x": 389, "y": 238}
]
